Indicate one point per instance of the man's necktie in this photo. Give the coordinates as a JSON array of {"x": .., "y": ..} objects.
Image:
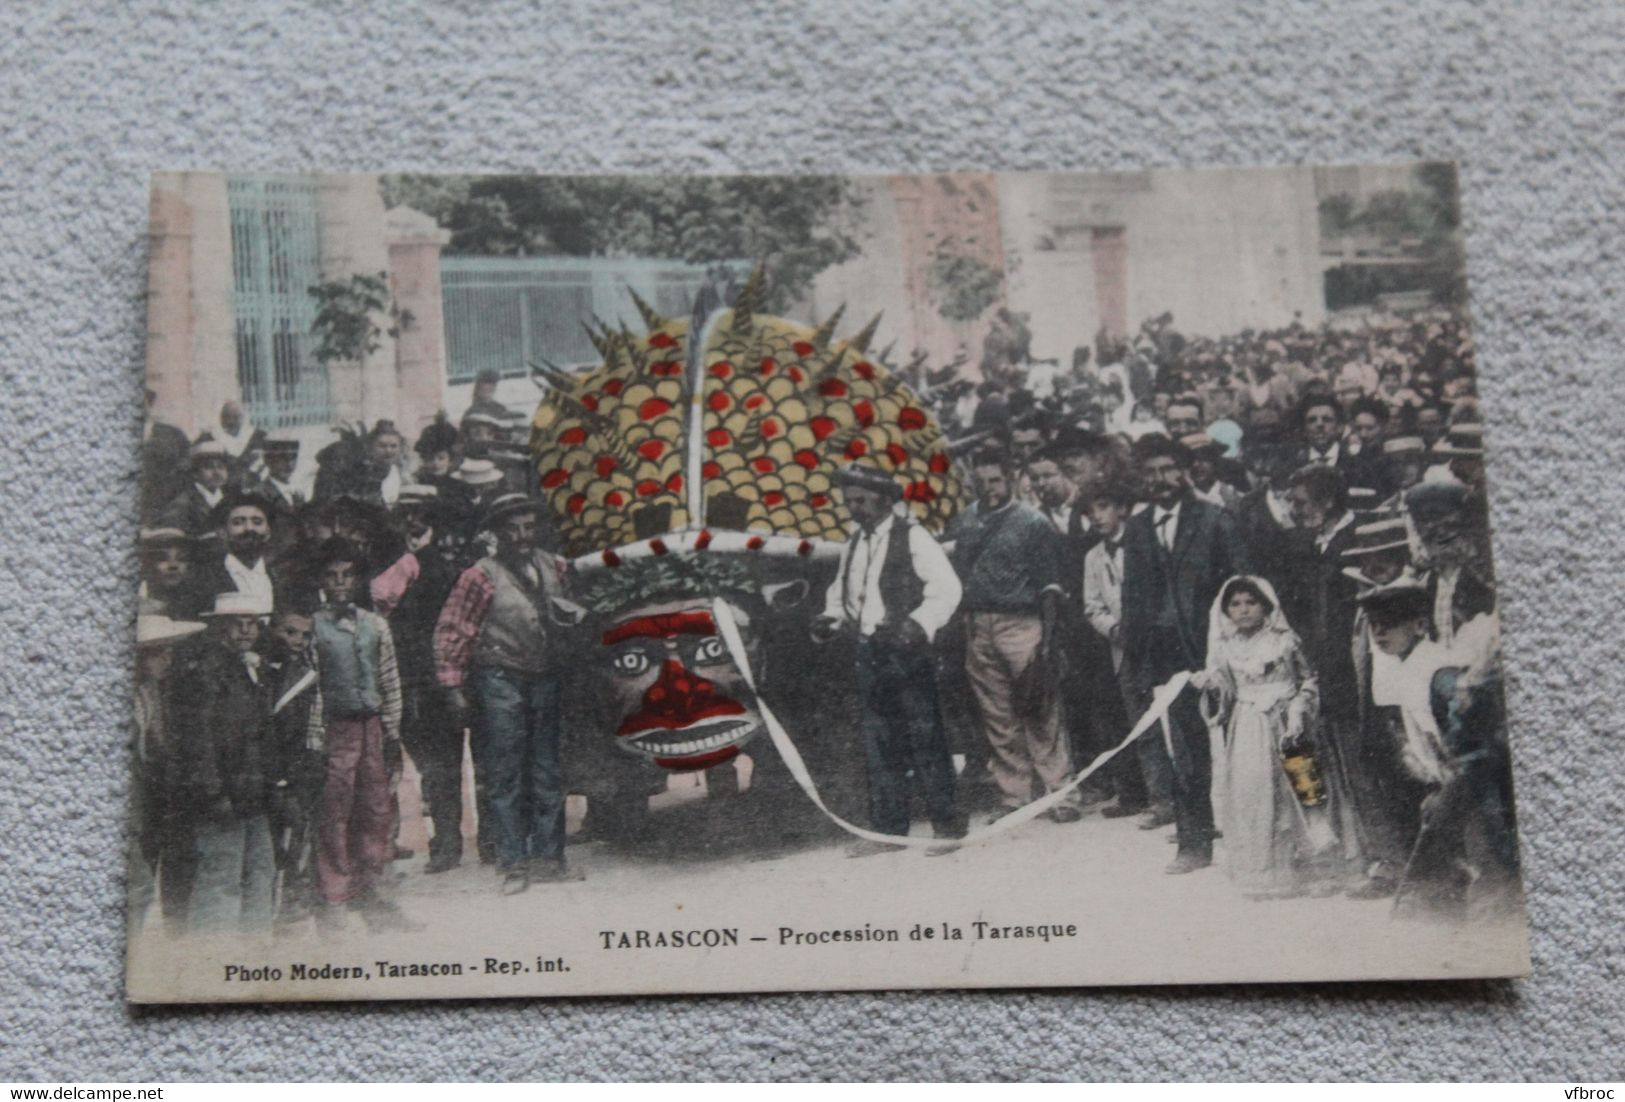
[{"x": 1162, "y": 531}]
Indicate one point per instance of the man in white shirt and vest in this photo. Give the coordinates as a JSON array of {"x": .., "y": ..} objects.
[{"x": 895, "y": 589}]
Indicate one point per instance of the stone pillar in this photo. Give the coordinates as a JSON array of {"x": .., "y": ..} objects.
[
  {"x": 354, "y": 243},
  {"x": 415, "y": 241},
  {"x": 191, "y": 318}
]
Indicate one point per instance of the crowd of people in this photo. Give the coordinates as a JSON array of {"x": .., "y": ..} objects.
[
  {"x": 1298, "y": 520},
  {"x": 1294, "y": 520}
]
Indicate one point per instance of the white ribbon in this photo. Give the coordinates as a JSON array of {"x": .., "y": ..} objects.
[{"x": 1161, "y": 700}]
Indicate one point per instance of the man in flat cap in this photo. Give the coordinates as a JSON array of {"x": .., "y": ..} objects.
[{"x": 895, "y": 589}]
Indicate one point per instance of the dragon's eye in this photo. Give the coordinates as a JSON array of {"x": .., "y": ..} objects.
[
  {"x": 711, "y": 650},
  {"x": 630, "y": 663}
]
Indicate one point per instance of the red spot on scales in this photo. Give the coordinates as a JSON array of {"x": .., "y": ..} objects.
[
  {"x": 865, "y": 369},
  {"x": 939, "y": 463},
  {"x": 802, "y": 348},
  {"x": 818, "y": 501},
  {"x": 772, "y": 498},
  {"x": 796, "y": 374},
  {"x": 807, "y": 458},
  {"x": 555, "y": 478},
  {"x": 822, "y": 427},
  {"x": 771, "y": 428},
  {"x": 590, "y": 401},
  {"x": 615, "y": 499},
  {"x": 719, "y": 401},
  {"x": 919, "y": 491},
  {"x": 768, "y": 366},
  {"x": 653, "y": 408},
  {"x": 652, "y": 449},
  {"x": 763, "y": 465},
  {"x": 648, "y": 486},
  {"x": 911, "y": 418},
  {"x": 857, "y": 449},
  {"x": 719, "y": 438},
  {"x": 865, "y": 412},
  {"x": 832, "y": 388},
  {"x": 572, "y": 436},
  {"x": 614, "y": 387},
  {"x": 675, "y": 483},
  {"x": 754, "y": 401},
  {"x": 711, "y": 469},
  {"x": 604, "y": 465},
  {"x": 666, "y": 367},
  {"x": 662, "y": 340},
  {"x": 722, "y": 370},
  {"x": 897, "y": 454},
  {"x": 576, "y": 503}
]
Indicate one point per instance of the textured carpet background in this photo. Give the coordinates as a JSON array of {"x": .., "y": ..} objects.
[{"x": 93, "y": 97}]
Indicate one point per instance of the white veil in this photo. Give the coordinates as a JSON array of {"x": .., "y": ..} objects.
[{"x": 1221, "y": 631}]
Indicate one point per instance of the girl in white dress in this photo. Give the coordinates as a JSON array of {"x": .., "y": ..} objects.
[{"x": 1259, "y": 697}]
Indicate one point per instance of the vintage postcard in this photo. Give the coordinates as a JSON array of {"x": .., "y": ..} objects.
[{"x": 602, "y": 585}]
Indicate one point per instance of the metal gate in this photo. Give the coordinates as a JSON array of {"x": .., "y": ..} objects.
[
  {"x": 276, "y": 258},
  {"x": 504, "y": 313}
]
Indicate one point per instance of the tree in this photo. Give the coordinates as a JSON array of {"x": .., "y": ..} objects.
[
  {"x": 797, "y": 225},
  {"x": 346, "y": 325}
]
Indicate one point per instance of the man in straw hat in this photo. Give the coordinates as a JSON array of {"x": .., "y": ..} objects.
[
  {"x": 1464, "y": 860},
  {"x": 895, "y": 589},
  {"x": 218, "y": 874},
  {"x": 491, "y": 649}
]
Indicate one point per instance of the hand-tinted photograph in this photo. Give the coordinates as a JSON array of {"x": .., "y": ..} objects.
[{"x": 617, "y": 585}]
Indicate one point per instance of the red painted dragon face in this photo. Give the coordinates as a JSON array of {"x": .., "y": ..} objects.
[{"x": 678, "y": 698}]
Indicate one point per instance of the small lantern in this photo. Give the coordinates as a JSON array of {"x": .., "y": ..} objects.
[{"x": 1305, "y": 778}]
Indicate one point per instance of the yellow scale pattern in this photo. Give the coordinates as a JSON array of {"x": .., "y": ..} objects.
[{"x": 781, "y": 415}]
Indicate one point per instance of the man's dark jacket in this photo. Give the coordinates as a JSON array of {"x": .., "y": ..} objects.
[{"x": 1207, "y": 552}]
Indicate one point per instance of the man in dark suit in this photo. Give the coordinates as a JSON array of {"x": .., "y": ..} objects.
[
  {"x": 236, "y": 561},
  {"x": 1323, "y": 600},
  {"x": 1176, "y": 556}
]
